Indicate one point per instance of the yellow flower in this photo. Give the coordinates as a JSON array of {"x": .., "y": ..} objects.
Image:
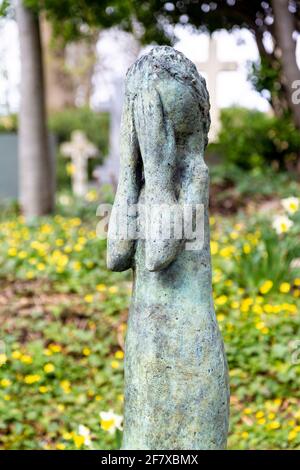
[
  {"x": 67, "y": 436},
  {"x": 227, "y": 251},
  {"x": 220, "y": 317},
  {"x": 245, "y": 435},
  {"x": 268, "y": 308},
  {"x": 26, "y": 359},
  {"x": 3, "y": 359},
  {"x": 70, "y": 168},
  {"x": 32, "y": 378},
  {"x": 119, "y": 354},
  {"x": 260, "y": 325},
  {"x": 297, "y": 282},
  {"x": 78, "y": 440},
  {"x": 22, "y": 255},
  {"x": 114, "y": 364},
  {"x": 101, "y": 287},
  {"x": 285, "y": 287},
  {"x": 48, "y": 368},
  {"x": 261, "y": 421},
  {"x": 235, "y": 304},
  {"x": 247, "y": 411},
  {"x": 282, "y": 224},
  {"x": 266, "y": 287},
  {"x": 43, "y": 389},
  {"x": 259, "y": 414},
  {"x": 214, "y": 247},
  {"x": 290, "y": 204},
  {"x": 60, "y": 446},
  {"x": 113, "y": 289},
  {"x": 110, "y": 421},
  {"x": 7, "y": 397},
  {"x": 246, "y": 248},
  {"x": 221, "y": 300},
  {"x": 76, "y": 265},
  {"x": 91, "y": 195},
  {"x": 41, "y": 266},
  {"x": 234, "y": 235},
  {"x": 274, "y": 425},
  {"x": 30, "y": 275},
  {"x": 5, "y": 383},
  {"x": 56, "y": 348},
  {"x": 66, "y": 386},
  {"x": 89, "y": 298},
  {"x": 292, "y": 435},
  {"x": 86, "y": 351},
  {"x": 12, "y": 252},
  {"x": 16, "y": 354}
]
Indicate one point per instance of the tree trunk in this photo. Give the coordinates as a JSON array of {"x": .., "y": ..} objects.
[
  {"x": 284, "y": 27},
  {"x": 60, "y": 88},
  {"x": 36, "y": 170}
]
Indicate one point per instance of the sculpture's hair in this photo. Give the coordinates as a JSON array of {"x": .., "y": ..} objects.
[{"x": 168, "y": 60}]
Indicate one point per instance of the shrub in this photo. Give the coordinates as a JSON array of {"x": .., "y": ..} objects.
[
  {"x": 8, "y": 123},
  {"x": 251, "y": 139},
  {"x": 94, "y": 125},
  {"x": 62, "y": 124}
]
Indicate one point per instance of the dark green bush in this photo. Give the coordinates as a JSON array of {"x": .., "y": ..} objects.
[
  {"x": 94, "y": 125},
  {"x": 62, "y": 124},
  {"x": 8, "y": 123},
  {"x": 251, "y": 139}
]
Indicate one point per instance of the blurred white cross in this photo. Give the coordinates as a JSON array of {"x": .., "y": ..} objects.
[
  {"x": 211, "y": 68},
  {"x": 79, "y": 149}
]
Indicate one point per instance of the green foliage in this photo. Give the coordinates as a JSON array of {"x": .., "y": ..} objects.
[
  {"x": 94, "y": 125},
  {"x": 61, "y": 362},
  {"x": 8, "y": 123},
  {"x": 62, "y": 124},
  {"x": 250, "y": 139},
  {"x": 72, "y": 19},
  {"x": 265, "y": 75},
  {"x": 257, "y": 183}
]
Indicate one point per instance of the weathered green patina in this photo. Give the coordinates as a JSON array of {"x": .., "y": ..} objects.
[{"x": 176, "y": 379}]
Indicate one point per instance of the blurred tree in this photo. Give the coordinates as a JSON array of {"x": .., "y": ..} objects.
[
  {"x": 70, "y": 20},
  {"x": 60, "y": 92},
  {"x": 69, "y": 68},
  {"x": 36, "y": 170},
  {"x": 278, "y": 19}
]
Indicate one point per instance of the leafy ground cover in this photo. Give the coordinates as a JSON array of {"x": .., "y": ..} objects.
[{"x": 63, "y": 322}]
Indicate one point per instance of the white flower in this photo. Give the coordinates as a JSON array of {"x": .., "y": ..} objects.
[
  {"x": 65, "y": 200},
  {"x": 86, "y": 433},
  {"x": 110, "y": 421},
  {"x": 282, "y": 224},
  {"x": 290, "y": 204}
]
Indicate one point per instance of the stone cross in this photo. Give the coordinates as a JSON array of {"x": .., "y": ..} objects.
[
  {"x": 79, "y": 149},
  {"x": 176, "y": 378},
  {"x": 211, "y": 68}
]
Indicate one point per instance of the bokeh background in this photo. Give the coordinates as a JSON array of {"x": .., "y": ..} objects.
[{"x": 62, "y": 314}]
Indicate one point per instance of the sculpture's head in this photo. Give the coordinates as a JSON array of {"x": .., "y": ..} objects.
[{"x": 182, "y": 90}]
